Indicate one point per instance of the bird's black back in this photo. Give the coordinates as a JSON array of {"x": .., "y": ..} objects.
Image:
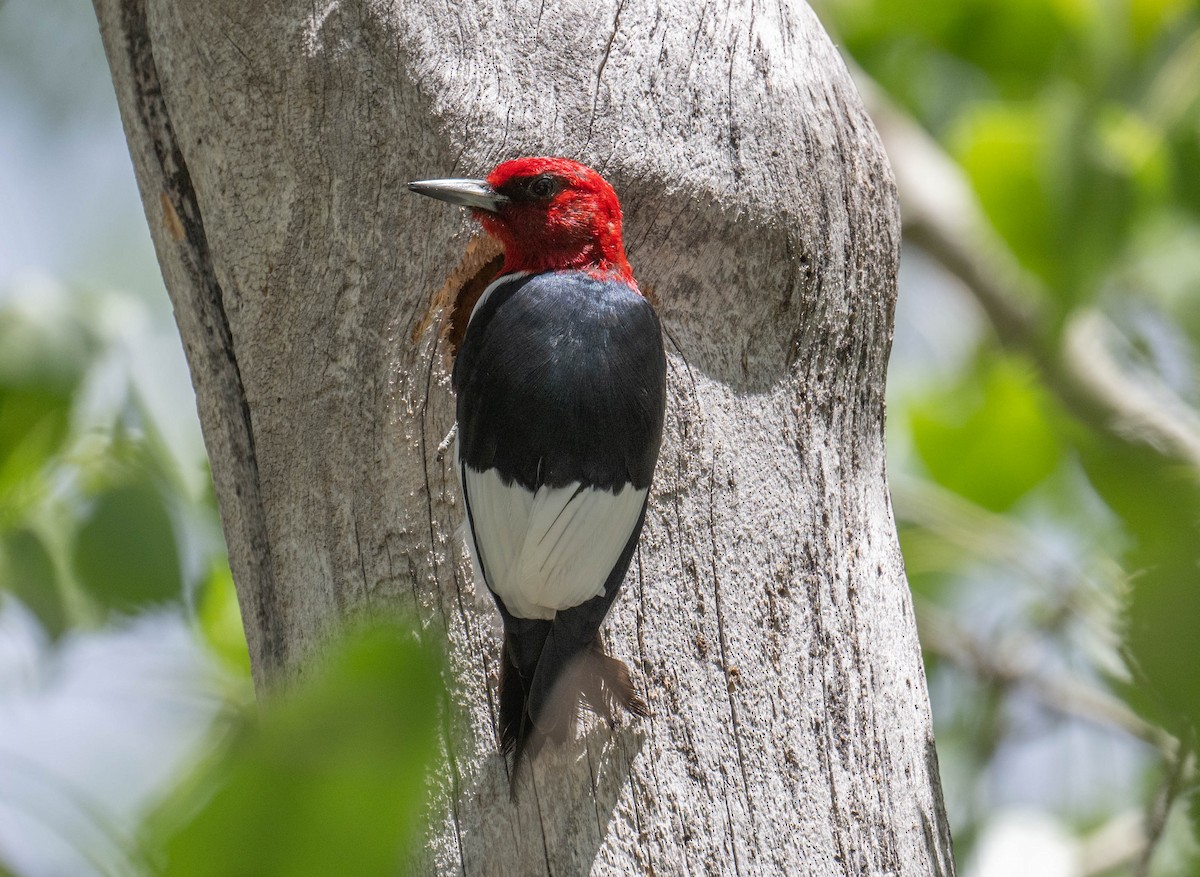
[{"x": 561, "y": 378}]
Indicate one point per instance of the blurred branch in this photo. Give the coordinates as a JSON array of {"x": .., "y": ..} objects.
[
  {"x": 1142, "y": 407},
  {"x": 1116, "y": 843},
  {"x": 1131, "y": 838},
  {"x": 1127, "y": 838},
  {"x": 1003, "y": 539},
  {"x": 1180, "y": 773},
  {"x": 942, "y": 215},
  {"x": 942, "y": 635}
]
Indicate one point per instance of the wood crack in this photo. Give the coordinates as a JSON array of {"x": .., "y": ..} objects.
[
  {"x": 259, "y": 592},
  {"x": 722, "y": 646},
  {"x": 600, "y": 71}
]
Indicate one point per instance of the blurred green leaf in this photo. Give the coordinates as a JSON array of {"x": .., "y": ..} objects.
[
  {"x": 1015, "y": 44},
  {"x": 1159, "y": 503},
  {"x": 27, "y": 571},
  {"x": 220, "y": 620},
  {"x": 1149, "y": 18},
  {"x": 988, "y": 439},
  {"x": 1005, "y": 150},
  {"x": 33, "y": 426},
  {"x": 125, "y": 553},
  {"x": 1163, "y": 611},
  {"x": 1129, "y": 145},
  {"x": 331, "y": 780},
  {"x": 1157, "y": 499},
  {"x": 43, "y": 344}
]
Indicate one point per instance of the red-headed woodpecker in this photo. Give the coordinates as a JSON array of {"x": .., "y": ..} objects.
[{"x": 561, "y": 383}]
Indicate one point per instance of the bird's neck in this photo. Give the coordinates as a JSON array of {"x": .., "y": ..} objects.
[{"x": 597, "y": 257}]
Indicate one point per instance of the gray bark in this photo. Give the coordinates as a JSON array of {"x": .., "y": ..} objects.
[{"x": 767, "y": 614}]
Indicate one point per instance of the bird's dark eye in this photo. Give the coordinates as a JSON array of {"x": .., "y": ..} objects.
[{"x": 542, "y": 187}]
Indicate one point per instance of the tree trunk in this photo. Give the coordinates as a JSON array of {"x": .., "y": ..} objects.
[{"x": 766, "y": 614}]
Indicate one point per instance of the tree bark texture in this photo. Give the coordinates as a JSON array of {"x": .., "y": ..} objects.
[{"x": 766, "y": 616}]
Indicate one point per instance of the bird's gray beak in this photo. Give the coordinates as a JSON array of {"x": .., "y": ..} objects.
[{"x": 464, "y": 193}]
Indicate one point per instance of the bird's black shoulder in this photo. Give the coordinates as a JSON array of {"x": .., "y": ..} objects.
[{"x": 561, "y": 378}]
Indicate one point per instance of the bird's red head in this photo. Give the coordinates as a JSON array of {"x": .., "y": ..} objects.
[
  {"x": 548, "y": 213},
  {"x": 556, "y": 213}
]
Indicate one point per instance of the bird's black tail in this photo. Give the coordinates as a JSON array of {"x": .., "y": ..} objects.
[{"x": 543, "y": 682}]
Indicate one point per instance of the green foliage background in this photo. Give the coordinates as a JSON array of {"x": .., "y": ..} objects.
[
  {"x": 1053, "y": 555},
  {"x": 93, "y": 516},
  {"x": 1054, "y": 551}
]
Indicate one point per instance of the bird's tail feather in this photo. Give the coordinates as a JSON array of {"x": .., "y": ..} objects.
[
  {"x": 513, "y": 693},
  {"x": 519, "y": 657},
  {"x": 540, "y": 699}
]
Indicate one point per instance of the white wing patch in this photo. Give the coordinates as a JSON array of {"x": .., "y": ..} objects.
[{"x": 550, "y": 550}]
